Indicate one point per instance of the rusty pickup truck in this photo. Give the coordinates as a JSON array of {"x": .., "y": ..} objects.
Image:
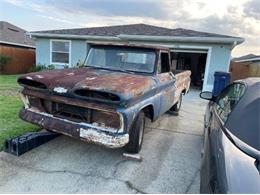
[{"x": 106, "y": 101}]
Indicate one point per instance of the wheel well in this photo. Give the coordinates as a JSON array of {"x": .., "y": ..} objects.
[
  {"x": 183, "y": 91},
  {"x": 149, "y": 112}
]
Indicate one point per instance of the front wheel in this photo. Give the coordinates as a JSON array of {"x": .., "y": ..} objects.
[
  {"x": 176, "y": 107},
  {"x": 136, "y": 134}
]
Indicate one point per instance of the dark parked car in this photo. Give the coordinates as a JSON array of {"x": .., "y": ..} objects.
[{"x": 231, "y": 149}]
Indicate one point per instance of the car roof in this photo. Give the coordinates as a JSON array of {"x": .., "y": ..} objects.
[
  {"x": 250, "y": 80},
  {"x": 244, "y": 120}
]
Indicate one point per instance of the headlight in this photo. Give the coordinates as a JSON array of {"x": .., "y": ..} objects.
[{"x": 112, "y": 122}]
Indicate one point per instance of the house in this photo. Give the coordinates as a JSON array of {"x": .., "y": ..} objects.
[
  {"x": 202, "y": 53},
  {"x": 245, "y": 66},
  {"x": 16, "y": 45}
]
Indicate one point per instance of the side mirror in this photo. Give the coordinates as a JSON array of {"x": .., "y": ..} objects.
[{"x": 207, "y": 95}]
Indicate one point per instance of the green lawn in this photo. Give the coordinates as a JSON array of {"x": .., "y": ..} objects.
[
  {"x": 10, "y": 124},
  {"x": 8, "y": 82}
]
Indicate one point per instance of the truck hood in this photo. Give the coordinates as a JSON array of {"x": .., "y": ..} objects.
[{"x": 124, "y": 85}]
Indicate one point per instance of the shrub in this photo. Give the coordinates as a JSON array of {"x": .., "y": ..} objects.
[
  {"x": 4, "y": 60},
  {"x": 41, "y": 67},
  {"x": 80, "y": 64},
  {"x": 50, "y": 67},
  {"x": 66, "y": 66},
  {"x": 37, "y": 68}
]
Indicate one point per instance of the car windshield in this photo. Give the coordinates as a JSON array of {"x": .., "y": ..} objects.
[{"x": 122, "y": 58}]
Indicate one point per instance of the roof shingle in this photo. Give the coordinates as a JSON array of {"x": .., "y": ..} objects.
[
  {"x": 133, "y": 29},
  {"x": 13, "y": 34}
]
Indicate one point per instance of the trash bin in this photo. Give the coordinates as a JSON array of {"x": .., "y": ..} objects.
[{"x": 221, "y": 80}]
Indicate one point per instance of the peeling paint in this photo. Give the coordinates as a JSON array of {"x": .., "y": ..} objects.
[
  {"x": 30, "y": 78},
  {"x": 39, "y": 76},
  {"x": 104, "y": 139},
  {"x": 90, "y": 78}
]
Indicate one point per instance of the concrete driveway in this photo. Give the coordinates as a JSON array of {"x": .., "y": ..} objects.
[{"x": 171, "y": 161}]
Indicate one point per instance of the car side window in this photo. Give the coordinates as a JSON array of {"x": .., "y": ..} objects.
[
  {"x": 228, "y": 99},
  {"x": 164, "y": 65}
]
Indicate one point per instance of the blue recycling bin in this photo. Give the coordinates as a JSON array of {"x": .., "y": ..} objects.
[{"x": 221, "y": 80}]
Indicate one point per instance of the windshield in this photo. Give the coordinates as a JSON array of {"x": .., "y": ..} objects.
[{"x": 122, "y": 58}]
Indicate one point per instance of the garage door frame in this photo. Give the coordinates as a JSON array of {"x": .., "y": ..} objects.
[{"x": 196, "y": 49}]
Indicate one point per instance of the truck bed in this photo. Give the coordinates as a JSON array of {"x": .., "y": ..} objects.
[{"x": 182, "y": 81}]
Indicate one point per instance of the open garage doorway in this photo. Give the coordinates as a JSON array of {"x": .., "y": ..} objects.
[{"x": 193, "y": 61}]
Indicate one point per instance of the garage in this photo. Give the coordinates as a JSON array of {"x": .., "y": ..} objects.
[{"x": 192, "y": 60}]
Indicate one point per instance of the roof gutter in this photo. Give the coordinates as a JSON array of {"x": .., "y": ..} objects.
[
  {"x": 17, "y": 44},
  {"x": 123, "y": 37},
  {"x": 233, "y": 40},
  {"x": 66, "y": 36},
  {"x": 248, "y": 60}
]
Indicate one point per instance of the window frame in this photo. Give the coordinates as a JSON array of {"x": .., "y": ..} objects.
[
  {"x": 159, "y": 64},
  {"x": 125, "y": 48},
  {"x": 225, "y": 90},
  {"x": 51, "y": 51}
]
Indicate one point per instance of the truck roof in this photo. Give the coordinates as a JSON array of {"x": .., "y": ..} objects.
[{"x": 157, "y": 47}]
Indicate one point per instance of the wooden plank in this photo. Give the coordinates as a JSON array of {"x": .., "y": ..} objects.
[{"x": 22, "y": 59}]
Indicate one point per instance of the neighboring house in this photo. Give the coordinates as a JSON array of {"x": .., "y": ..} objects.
[
  {"x": 202, "y": 53},
  {"x": 18, "y": 46},
  {"x": 247, "y": 58},
  {"x": 245, "y": 66}
]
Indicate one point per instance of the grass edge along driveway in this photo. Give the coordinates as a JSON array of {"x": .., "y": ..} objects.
[{"x": 10, "y": 104}]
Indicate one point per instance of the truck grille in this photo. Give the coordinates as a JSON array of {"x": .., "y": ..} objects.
[{"x": 76, "y": 113}]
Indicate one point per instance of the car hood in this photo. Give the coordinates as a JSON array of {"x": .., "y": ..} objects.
[{"x": 125, "y": 85}]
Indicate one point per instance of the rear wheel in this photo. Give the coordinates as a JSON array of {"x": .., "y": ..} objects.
[
  {"x": 136, "y": 134},
  {"x": 176, "y": 107}
]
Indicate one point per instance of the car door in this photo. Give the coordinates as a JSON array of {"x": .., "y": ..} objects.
[
  {"x": 166, "y": 83},
  {"x": 213, "y": 176}
]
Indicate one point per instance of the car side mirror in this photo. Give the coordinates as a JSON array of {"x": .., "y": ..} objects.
[{"x": 207, "y": 95}]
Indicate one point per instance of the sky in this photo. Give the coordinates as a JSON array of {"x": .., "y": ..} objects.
[{"x": 230, "y": 17}]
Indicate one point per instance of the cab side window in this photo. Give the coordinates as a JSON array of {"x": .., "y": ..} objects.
[
  {"x": 228, "y": 100},
  {"x": 164, "y": 65}
]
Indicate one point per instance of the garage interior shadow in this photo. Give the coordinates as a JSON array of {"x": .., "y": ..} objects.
[{"x": 195, "y": 62}]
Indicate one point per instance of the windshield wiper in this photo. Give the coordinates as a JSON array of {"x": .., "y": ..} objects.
[
  {"x": 119, "y": 70},
  {"x": 123, "y": 70},
  {"x": 97, "y": 67}
]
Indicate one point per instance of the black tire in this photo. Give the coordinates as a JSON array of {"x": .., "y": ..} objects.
[
  {"x": 136, "y": 134},
  {"x": 176, "y": 107}
]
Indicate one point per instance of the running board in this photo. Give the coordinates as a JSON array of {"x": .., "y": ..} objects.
[{"x": 24, "y": 143}]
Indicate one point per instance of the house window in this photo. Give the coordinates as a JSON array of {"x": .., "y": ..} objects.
[{"x": 60, "y": 52}]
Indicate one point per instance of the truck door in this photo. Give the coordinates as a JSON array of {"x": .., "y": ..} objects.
[{"x": 166, "y": 82}]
